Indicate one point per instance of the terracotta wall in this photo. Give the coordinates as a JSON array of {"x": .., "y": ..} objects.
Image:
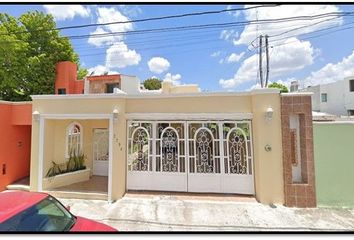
[
  {"x": 15, "y": 142},
  {"x": 300, "y": 194}
]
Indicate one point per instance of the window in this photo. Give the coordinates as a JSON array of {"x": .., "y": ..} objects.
[
  {"x": 110, "y": 87},
  {"x": 351, "y": 112},
  {"x": 323, "y": 97},
  {"x": 351, "y": 85},
  {"x": 74, "y": 139},
  {"x": 61, "y": 91}
]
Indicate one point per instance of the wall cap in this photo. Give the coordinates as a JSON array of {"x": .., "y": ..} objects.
[
  {"x": 15, "y": 103},
  {"x": 296, "y": 94}
]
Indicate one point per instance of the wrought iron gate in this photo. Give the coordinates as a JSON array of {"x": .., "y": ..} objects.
[{"x": 194, "y": 156}]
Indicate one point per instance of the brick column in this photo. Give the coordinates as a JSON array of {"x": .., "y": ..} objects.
[{"x": 298, "y": 194}]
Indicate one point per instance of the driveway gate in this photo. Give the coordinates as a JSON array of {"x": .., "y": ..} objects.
[{"x": 190, "y": 156}]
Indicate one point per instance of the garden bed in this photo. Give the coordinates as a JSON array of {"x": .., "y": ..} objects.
[{"x": 65, "y": 179}]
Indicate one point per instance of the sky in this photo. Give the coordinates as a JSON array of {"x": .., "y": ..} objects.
[{"x": 218, "y": 59}]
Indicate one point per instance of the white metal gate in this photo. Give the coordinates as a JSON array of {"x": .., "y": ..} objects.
[
  {"x": 100, "y": 151},
  {"x": 193, "y": 156}
]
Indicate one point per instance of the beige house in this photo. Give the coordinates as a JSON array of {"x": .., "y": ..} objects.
[{"x": 177, "y": 139}]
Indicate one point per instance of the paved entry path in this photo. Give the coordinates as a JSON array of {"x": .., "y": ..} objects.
[{"x": 156, "y": 212}]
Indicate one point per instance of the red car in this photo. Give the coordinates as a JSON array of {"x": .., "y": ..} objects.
[{"x": 33, "y": 212}]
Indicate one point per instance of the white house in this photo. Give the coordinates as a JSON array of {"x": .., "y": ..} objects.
[{"x": 335, "y": 98}]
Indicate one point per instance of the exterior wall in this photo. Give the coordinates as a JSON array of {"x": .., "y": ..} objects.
[
  {"x": 168, "y": 87},
  {"x": 315, "y": 98},
  {"x": 334, "y": 163},
  {"x": 15, "y": 142},
  {"x": 298, "y": 194},
  {"x": 66, "y": 75},
  {"x": 55, "y": 140},
  {"x": 97, "y": 84},
  {"x": 267, "y": 165},
  {"x": 130, "y": 84},
  {"x": 339, "y": 97}
]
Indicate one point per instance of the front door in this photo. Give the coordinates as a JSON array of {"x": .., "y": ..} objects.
[{"x": 100, "y": 151}]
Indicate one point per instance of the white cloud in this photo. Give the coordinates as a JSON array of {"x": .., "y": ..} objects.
[
  {"x": 158, "y": 65},
  {"x": 252, "y": 31},
  {"x": 106, "y": 15},
  {"x": 100, "y": 70},
  {"x": 101, "y": 40},
  {"x": 175, "y": 79},
  {"x": 233, "y": 13},
  {"x": 130, "y": 10},
  {"x": 63, "y": 12},
  {"x": 215, "y": 54},
  {"x": 229, "y": 34},
  {"x": 119, "y": 56},
  {"x": 332, "y": 72},
  {"x": 284, "y": 60},
  {"x": 234, "y": 57}
]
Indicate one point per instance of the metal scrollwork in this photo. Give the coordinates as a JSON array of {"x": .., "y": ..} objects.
[
  {"x": 140, "y": 145},
  {"x": 204, "y": 151},
  {"x": 237, "y": 152},
  {"x": 169, "y": 150}
]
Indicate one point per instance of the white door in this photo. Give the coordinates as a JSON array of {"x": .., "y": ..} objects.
[
  {"x": 100, "y": 151},
  {"x": 190, "y": 156}
]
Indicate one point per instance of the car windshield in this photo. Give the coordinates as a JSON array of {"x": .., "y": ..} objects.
[{"x": 47, "y": 215}]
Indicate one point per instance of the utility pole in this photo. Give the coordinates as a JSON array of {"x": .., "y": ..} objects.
[
  {"x": 260, "y": 60},
  {"x": 267, "y": 59}
]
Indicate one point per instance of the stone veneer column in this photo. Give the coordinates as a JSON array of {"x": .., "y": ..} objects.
[{"x": 298, "y": 194}]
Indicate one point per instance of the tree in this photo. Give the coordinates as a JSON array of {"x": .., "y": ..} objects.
[
  {"x": 283, "y": 88},
  {"x": 152, "y": 84},
  {"x": 28, "y": 54},
  {"x": 81, "y": 72}
]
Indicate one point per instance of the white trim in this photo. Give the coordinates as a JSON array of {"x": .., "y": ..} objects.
[
  {"x": 68, "y": 128},
  {"x": 82, "y": 116},
  {"x": 154, "y": 95},
  {"x": 188, "y": 116},
  {"x": 297, "y": 94},
  {"x": 40, "y": 154},
  {"x": 110, "y": 158},
  {"x": 333, "y": 122}
]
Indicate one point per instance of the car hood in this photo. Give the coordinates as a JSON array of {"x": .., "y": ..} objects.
[{"x": 87, "y": 225}]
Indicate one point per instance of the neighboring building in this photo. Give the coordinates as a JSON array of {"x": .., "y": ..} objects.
[
  {"x": 15, "y": 141},
  {"x": 333, "y": 151},
  {"x": 334, "y": 98}
]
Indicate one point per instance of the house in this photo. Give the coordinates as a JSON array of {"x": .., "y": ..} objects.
[
  {"x": 257, "y": 143},
  {"x": 102, "y": 136},
  {"x": 334, "y": 98}
]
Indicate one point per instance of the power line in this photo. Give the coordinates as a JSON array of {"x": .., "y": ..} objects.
[{"x": 149, "y": 19}]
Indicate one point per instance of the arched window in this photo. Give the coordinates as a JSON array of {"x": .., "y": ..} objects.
[{"x": 74, "y": 139}]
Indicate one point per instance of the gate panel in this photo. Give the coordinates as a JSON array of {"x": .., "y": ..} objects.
[{"x": 193, "y": 156}]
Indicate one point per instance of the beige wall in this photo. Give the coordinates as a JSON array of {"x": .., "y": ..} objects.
[
  {"x": 267, "y": 165},
  {"x": 55, "y": 140}
]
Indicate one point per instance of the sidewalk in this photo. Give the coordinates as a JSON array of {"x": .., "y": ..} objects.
[{"x": 178, "y": 213}]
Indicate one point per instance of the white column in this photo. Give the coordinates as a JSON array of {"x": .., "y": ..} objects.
[
  {"x": 40, "y": 154},
  {"x": 110, "y": 150}
]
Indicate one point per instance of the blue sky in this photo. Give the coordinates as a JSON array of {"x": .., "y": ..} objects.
[{"x": 219, "y": 59}]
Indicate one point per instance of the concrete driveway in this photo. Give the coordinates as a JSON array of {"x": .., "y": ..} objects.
[{"x": 153, "y": 212}]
